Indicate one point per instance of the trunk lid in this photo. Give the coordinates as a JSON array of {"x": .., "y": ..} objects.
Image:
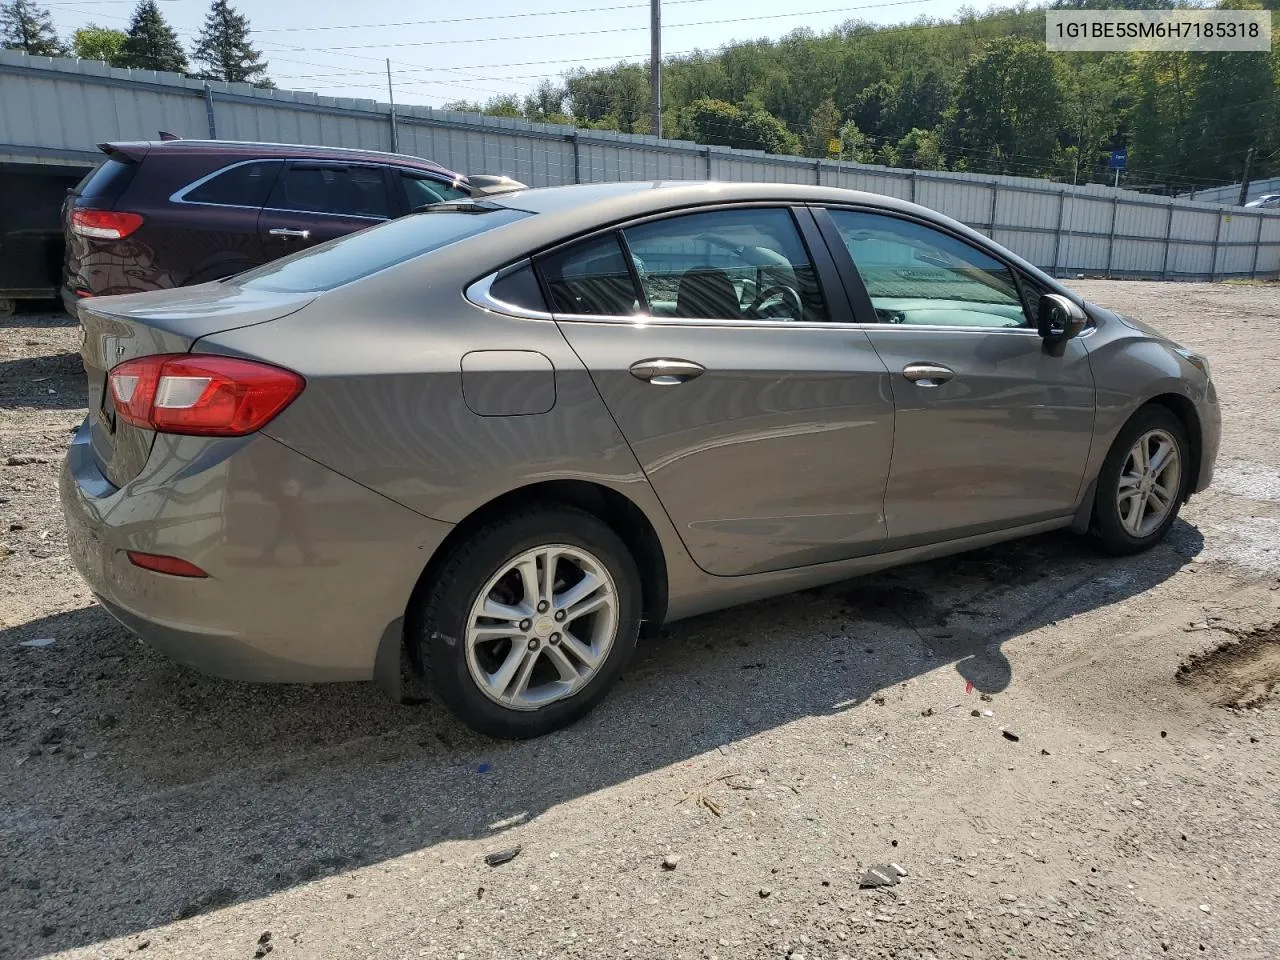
[{"x": 117, "y": 329}]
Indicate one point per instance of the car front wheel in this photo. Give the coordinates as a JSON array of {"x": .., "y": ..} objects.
[
  {"x": 1142, "y": 483},
  {"x": 529, "y": 621}
]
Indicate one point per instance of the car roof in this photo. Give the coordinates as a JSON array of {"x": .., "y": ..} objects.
[
  {"x": 565, "y": 212},
  {"x": 581, "y": 208},
  {"x": 244, "y": 149}
]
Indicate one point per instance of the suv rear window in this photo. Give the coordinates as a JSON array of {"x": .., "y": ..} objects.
[
  {"x": 360, "y": 254},
  {"x": 107, "y": 181},
  {"x": 242, "y": 185}
]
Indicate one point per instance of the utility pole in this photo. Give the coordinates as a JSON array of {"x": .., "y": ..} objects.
[
  {"x": 391, "y": 96},
  {"x": 1075, "y": 175},
  {"x": 1244, "y": 182},
  {"x": 655, "y": 63}
]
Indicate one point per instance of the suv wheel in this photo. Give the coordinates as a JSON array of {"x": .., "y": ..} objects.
[{"x": 530, "y": 621}]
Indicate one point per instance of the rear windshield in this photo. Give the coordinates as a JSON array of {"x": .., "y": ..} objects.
[
  {"x": 359, "y": 254},
  {"x": 107, "y": 181}
]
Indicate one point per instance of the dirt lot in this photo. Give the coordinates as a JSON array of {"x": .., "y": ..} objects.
[{"x": 773, "y": 751}]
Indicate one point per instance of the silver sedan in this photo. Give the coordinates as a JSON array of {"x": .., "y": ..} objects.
[{"x": 486, "y": 446}]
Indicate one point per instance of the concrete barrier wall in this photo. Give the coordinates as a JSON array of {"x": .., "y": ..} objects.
[{"x": 56, "y": 110}]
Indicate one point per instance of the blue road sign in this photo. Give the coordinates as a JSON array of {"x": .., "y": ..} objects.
[{"x": 1117, "y": 160}]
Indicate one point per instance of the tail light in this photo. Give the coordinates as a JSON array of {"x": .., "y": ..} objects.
[
  {"x": 104, "y": 224},
  {"x": 161, "y": 563},
  {"x": 205, "y": 395}
]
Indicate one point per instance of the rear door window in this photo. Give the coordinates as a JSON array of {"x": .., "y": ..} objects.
[
  {"x": 420, "y": 190},
  {"x": 348, "y": 191},
  {"x": 747, "y": 264},
  {"x": 242, "y": 185}
]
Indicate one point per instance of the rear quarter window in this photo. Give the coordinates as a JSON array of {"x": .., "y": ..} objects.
[
  {"x": 107, "y": 181},
  {"x": 242, "y": 185},
  {"x": 358, "y": 255}
]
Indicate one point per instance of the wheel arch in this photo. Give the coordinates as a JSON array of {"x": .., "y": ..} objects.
[
  {"x": 617, "y": 510},
  {"x": 1185, "y": 411}
]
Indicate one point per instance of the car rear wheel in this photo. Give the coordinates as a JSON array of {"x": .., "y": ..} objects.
[
  {"x": 1142, "y": 483},
  {"x": 529, "y": 621}
]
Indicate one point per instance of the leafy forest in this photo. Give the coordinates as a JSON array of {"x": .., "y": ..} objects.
[{"x": 978, "y": 92}]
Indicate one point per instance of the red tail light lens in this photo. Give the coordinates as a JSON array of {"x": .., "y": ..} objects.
[
  {"x": 160, "y": 563},
  {"x": 199, "y": 394},
  {"x": 104, "y": 224}
]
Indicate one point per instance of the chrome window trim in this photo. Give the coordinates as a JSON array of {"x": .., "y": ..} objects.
[
  {"x": 313, "y": 213},
  {"x": 480, "y": 294},
  {"x": 645, "y": 320},
  {"x": 179, "y": 196}
]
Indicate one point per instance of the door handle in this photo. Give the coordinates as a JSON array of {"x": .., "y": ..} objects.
[
  {"x": 286, "y": 232},
  {"x": 666, "y": 372},
  {"x": 927, "y": 374}
]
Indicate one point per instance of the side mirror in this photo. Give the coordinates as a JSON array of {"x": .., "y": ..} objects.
[{"x": 1060, "y": 318}]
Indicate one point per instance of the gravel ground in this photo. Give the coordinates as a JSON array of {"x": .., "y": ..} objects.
[{"x": 1070, "y": 755}]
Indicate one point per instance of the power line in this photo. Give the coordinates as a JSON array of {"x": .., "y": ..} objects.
[
  {"x": 495, "y": 16},
  {"x": 591, "y": 33}
]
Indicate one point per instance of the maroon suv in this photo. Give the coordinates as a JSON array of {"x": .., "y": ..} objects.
[{"x": 177, "y": 212}]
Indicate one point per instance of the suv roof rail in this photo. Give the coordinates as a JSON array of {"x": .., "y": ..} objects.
[{"x": 486, "y": 185}]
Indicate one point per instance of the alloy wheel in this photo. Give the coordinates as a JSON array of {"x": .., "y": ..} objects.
[
  {"x": 1150, "y": 482},
  {"x": 542, "y": 627}
]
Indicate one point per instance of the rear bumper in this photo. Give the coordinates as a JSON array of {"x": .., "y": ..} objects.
[
  {"x": 69, "y": 301},
  {"x": 306, "y": 568}
]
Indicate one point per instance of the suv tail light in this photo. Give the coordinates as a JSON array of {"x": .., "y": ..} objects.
[
  {"x": 104, "y": 224},
  {"x": 205, "y": 395}
]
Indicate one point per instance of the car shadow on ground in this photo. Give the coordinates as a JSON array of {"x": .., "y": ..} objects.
[
  {"x": 154, "y": 793},
  {"x": 43, "y": 383}
]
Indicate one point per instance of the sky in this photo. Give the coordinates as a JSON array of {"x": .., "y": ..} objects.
[{"x": 442, "y": 52}]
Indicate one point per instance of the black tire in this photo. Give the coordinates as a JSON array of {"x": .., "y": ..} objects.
[
  {"x": 447, "y": 602},
  {"x": 1108, "y": 528}
]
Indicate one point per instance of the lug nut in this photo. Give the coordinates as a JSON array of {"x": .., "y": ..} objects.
[
  {"x": 533, "y": 644},
  {"x": 526, "y": 624},
  {"x": 555, "y": 638},
  {"x": 542, "y": 606},
  {"x": 559, "y": 615}
]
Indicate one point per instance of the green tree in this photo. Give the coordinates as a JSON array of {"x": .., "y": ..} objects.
[
  {"x": 152, "y": 44},
  {"x": 873, "y": 108},
  {"x": 823, "y": 128},
  {"x": 620, "y": 93},
  {"x": 26, "y": 27},
  {"x": 463, "y": 106},
  {"x": 546, "y": 104},
  {"x": 717, "y": 122},
  {"x": 1234, "y": 110},
  {"x": 920, "y": 150},
  {"x": 856, "y": 145},
  {"x": 223, "y": 47},
  {"x": 1006, "y": 116},
  {"x": 503, "y": 105},
  {"x": 99, "y": 43},
  {"x": 1160, "y": 127}
]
